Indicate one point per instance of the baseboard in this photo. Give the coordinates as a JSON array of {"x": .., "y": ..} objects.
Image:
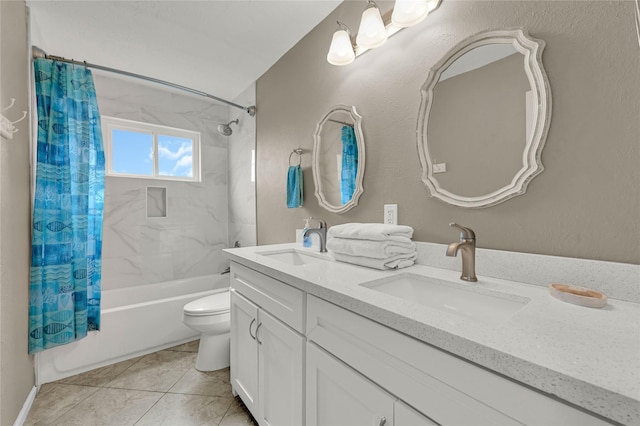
[{"x": 24, "y": 412}]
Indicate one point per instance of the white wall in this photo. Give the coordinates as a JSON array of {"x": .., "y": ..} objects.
[{"x": 16, "y": 367}]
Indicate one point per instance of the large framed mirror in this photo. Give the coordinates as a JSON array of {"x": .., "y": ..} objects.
[
  {"x": 484, "y": 116},
  {"x": 338, "y": 159}
]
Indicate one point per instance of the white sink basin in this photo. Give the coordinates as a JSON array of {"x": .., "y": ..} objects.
[
  {"x": 465, "y": 300},
  {"x": 295, "y": 257}
]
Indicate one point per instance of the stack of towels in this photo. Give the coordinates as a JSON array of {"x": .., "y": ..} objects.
[{"x": 374, "y": 245}]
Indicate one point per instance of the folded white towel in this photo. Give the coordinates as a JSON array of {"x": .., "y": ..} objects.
[
  {"x": 393, "y": 262},
  {"x": 371, "y": 248},
  {"x": 370, "y": 231}
]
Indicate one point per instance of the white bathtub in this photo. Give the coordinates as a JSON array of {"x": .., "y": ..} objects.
[{"x": 134, "y": 321}]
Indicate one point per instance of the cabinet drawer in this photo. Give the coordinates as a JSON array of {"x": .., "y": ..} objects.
[
  {"x": 449, "y": 390},
  {"x": 283, "y": 301}
]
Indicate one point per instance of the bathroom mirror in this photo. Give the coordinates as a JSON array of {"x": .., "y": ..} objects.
[
  {"x": 484, "y": 118},
  {"x": 338, "y": 159}
]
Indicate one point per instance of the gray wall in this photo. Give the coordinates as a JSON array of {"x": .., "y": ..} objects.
[
  {"x": 463, "y": 133},
  {"x": 188, "y": 242},
  {"x": 586, "y": 202},
  {"x": 16, "y": 367}
]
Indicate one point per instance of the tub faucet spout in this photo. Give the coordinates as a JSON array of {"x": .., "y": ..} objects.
[
  {"x": 321, "y": 230},
  {"x": 467, "y": 245}
]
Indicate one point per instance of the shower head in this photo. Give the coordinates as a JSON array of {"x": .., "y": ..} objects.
[{"x": 225, "y": 129}]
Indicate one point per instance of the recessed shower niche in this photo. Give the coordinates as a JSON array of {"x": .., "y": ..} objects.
[{"x": 156, "y": 201}]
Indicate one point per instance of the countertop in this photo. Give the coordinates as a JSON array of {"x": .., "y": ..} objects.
[{"x": 588, "y": 357}]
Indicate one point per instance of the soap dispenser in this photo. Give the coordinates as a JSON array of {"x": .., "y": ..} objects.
[{"x": 306, "y": 240}]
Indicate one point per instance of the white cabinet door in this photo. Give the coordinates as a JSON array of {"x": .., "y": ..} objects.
[
  {"x": 407, "y": 416},
  {"x": 338, "y": 395},
  {"x": 244, "y": 350},
  {"x": 280, "y": 380}
]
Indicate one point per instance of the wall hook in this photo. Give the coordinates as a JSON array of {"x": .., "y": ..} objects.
[{"x": 7, "y": 128}]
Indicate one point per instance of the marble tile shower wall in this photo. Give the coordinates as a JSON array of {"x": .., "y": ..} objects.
[
  {"x": 138, "y": 250},
  {"x": 242, "y": 191}
]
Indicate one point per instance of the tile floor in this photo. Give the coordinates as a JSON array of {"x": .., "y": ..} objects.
[{"x": 161, "y": 388}]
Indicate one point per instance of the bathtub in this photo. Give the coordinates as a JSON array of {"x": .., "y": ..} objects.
[{"x": 134, "y": 321}]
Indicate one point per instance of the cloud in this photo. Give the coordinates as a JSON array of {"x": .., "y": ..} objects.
[
  {"x": 183, "y": 163},
  {"x": 165, "y": 152}
]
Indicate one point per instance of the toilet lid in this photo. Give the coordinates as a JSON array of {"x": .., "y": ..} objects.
[{"x": 214, "y": 304}]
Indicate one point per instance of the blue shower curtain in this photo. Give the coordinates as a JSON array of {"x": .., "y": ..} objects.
[
  {"x": 66, "y": 250},
  {"x": 349, "y": 164}
]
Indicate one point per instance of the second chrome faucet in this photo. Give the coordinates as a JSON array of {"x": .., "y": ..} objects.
[{"x": 467, "y": 245}]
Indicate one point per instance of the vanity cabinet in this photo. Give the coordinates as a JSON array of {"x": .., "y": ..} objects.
[
  {"x": 338, "y": 395},
  {"x": 445, "y": 388},
  {"x": 267, "y": 355},
  {"x": 297, "y": 359}
]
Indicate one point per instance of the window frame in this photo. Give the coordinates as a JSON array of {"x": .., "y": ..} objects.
[{"x": 109, "y": 124}]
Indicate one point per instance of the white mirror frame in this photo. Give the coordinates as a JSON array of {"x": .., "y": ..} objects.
[
  {"x": 532, "y": 164},
  {"x": 357, "y": 127}
]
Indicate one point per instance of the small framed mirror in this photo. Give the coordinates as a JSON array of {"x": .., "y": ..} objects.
[
  {"x": 338, "y": 159},
  {"x": 483, "y": 120}
]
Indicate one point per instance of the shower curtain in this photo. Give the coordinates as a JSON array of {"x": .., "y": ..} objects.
[
  {"x": 349, "y": 164},
  {"x": 64, "y": 294}
]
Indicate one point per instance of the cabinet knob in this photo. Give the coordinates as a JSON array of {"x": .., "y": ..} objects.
[
  {"x": 383, "y": 420},
  {"x": 250, "y": 325},
  {"x": 258, "y": 328}
]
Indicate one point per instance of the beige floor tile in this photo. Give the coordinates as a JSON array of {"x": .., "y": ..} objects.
[
  {"x": 110, "y": 407},
  {"x": 238, "y": 415},
  {"x": 100, "y": 376},
  {"x": 55, "y": 399},
  {"x": 156, "y": 372},
  {"x": 187, "y": 347},
  {"x": 186, "y": 410},
  {"x": 211, "y": 383}
]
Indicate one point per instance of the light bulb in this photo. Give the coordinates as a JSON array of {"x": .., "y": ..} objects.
[
  {"x": 341, "y": 50},
  {"x": 372, "y": 32}
]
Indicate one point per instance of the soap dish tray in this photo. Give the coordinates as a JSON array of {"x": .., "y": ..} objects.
[{"x": 578, "y": 295}]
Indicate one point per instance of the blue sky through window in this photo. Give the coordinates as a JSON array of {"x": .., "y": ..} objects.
[
  {"x": 175, "y": 156},
  {"x": 132, "y": 152},
  {"x": 150, "y": 151}
]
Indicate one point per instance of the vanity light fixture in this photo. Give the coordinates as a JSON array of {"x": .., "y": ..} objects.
[
  {"x": 372, "y": 32},
  {"x": 375, "y": 29},
  {"x": 341, "y": 51}
]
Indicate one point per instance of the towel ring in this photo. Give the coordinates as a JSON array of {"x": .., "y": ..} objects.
[{"x": 296, "y": 151}]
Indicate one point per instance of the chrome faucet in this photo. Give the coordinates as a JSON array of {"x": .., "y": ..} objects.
[
  {"x": 467, "y": 245},
  {"x": 321, "y": 230}
]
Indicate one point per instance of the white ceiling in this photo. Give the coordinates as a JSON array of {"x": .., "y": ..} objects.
[{"x": 219, "y": 47}]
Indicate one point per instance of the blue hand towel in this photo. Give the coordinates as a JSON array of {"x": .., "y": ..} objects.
[{"x": 294, "y": 187}]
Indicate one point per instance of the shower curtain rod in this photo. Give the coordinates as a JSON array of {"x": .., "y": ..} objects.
[{"x": 39, "y": 53}]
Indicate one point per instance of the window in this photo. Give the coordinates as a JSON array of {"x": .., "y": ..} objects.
[{"x": 134, "y": 149}]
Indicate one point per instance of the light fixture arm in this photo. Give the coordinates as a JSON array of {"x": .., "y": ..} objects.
[{"x": 371, "y": 3}]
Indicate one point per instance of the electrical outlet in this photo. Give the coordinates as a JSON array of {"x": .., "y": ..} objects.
[
  {"x": 391, "y": 214},
  {"x": 440, "y": 168}
]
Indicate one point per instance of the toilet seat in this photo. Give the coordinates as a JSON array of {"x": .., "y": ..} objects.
[{"x": 210, "y": 305}]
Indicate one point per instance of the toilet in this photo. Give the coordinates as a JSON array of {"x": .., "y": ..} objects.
[{"x": 210, "y": 316}]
